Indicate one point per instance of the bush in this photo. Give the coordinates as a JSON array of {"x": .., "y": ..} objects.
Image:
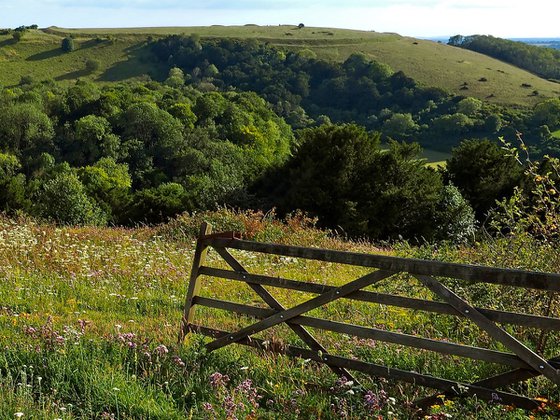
[
  {"x": 63, "y": 200},
  {"x": 17, "y": 35},
  {"x": 341, "y": 175},
  {"x": 26, "y": 80},
  {"x": 156, "y": 205},
  {"x": 483, "y": 173},
  {"x": 534, "y": 207},
  {"x": 92, "y": 65},
  {"x": 68, "y": 44},
  {"x": 455, "y": 219}
]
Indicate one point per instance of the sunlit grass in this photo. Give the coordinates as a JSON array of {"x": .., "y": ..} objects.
[
  {"x": 94, "y": 313},
  {"x": 122, "y": 57}
]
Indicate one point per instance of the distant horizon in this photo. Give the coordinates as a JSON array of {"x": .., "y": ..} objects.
[
  {"x": 513, "y": 38},
  {"x": 424, "y": 37},
  {"x": 418, "y": 18}
]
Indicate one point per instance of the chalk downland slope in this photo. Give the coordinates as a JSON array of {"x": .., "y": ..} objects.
[{"x": 122, "y": 55}]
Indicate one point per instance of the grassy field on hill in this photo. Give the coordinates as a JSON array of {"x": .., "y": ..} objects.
[
  {"x": 435, "y": 158},
  {"x": 40, "y": 56},
  {"x": 89, "y": 319},
  {"x": 122, "y": 57}
]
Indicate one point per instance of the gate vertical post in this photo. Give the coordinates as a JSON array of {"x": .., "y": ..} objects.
[{"x": 194, "y": 281}]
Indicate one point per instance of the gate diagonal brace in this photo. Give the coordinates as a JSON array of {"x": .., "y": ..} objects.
[
  {"x": 540, "y": 365},
  {"x": 523, "y": 352},
  {"x": 297, "y": 310},
  {"x": 302, "y": 333}
]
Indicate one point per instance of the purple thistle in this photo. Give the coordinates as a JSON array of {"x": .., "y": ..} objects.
[{"x": 161, "y": 350}]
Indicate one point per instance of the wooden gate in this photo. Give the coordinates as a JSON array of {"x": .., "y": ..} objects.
[{"x": 523, "y": 362}]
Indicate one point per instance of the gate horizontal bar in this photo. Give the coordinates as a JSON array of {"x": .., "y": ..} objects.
[
  {"x": 408, "y": 340},
  {"x": 472, "y": 273},
  {"x": 380, "y": 371},
  {"x": 503, "y": 317}
]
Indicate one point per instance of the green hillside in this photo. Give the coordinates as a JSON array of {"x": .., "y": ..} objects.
[
  {"x": 122, "y": 56},
  {"x": 40, "y": 56}
]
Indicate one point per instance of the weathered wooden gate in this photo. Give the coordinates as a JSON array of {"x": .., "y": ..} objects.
[{"x": 524, "y": 362}]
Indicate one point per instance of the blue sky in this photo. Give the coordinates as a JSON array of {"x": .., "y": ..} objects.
[{"x": 505, "y": 18}]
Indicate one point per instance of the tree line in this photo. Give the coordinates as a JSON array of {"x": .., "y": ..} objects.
[
  {"x": 539, "y": 60},
  {"x": 132, "y": 153},
  {"x": 144, "y": 152}
]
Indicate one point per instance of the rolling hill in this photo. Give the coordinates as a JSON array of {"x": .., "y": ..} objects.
[{"x": 122, "y": 55}]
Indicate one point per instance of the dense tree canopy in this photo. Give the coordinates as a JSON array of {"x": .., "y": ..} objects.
[
  {"x": 241, "y": 123},
  {"x": 341, "y": 174},
  {"x": 126, "y": 147},
  {"x": 303, "y": 89},
  {"x": 145, "y": 152}
]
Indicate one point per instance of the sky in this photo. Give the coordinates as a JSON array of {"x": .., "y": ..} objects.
[{"x": 421, "y": 18}]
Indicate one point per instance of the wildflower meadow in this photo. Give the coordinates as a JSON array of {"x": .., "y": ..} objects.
[{"x": 89, "y": 319}]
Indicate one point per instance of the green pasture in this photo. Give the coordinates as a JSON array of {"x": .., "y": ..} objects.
[
  {"x": 435, "y": 158},
  {"x": 40, "y": 56},
  {"x": 122, "y": 56}
]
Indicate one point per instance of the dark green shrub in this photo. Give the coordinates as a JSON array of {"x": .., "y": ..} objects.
[
  {"x": 92, "y": 65},
  {"x": 68, "y": 44},
  {"x": 63, "y": 199}
]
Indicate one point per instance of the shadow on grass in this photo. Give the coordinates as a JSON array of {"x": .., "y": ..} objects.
[
  {"x": 7, "y": 42},
  {"x": 140, "y": 63},
  {"x": 91, "y": 43},
  {"x": 45, "y": 55},
  {"x": 122, "y": 70},
  {"x": 73, "y": 75}
]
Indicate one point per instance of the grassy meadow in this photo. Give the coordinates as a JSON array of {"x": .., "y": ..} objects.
[
  {"x": 435, "y": 158},
  {"x": 122, "y": 56},
  {"x": 39, "y": 55},
  {"x": 89, "y": 320}
]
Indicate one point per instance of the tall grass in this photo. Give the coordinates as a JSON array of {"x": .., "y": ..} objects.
[{"x": 89, "y": 320}]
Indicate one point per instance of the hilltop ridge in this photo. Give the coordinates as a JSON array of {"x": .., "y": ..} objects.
[{"x": 122, "y": 55}]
